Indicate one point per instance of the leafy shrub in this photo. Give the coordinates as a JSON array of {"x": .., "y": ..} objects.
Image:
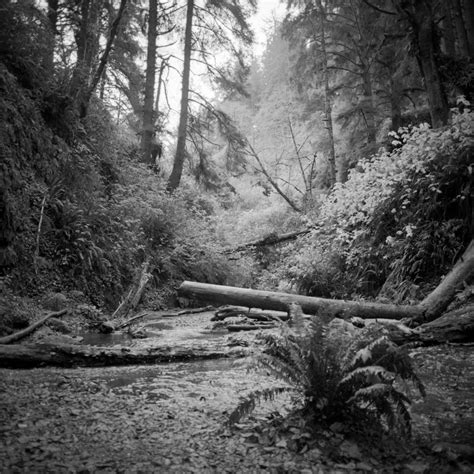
[
  {"x": 336, "y": 379},
  {"x": 406, "y": 214}
]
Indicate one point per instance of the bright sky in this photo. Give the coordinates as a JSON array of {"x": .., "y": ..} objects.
[{"x": 263, "y": 22}]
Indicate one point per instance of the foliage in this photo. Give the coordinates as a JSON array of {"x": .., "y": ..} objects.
[
  {"x": 405, "y": 213},
  {"x": 84, "y": 214},
  {"x": 25, "y": 42},
  {"x": 337, "y": 378}
]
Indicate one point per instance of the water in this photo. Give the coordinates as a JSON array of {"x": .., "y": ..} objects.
[{"x": 112, "y": 339}]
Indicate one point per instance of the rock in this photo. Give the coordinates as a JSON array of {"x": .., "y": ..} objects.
[
  {"x": 106, "y": 327},
  {"x": 350, "y": 450},
  {"x": 55, "y": 301},
  {"x": 58, "y": 325}
]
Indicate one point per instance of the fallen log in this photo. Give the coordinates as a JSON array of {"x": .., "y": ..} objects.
[
  {"x": 236, "y": 311},
  {"x": 249, "y": 327},
  {"x": 271, "y": 239},
  {"x": 440, "y": 298},
  {"x": 24, "y": 356},
  {"x": 455, "y": 326},
  {"x": 131, "y": 320},
  {"x": 25, "y": 332},
  {"x": 309, "y": 305}
]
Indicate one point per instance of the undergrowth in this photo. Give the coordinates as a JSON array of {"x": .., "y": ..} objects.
[
  {"x": 396, "y": 225},
  {"x": 336, "y": 378}
]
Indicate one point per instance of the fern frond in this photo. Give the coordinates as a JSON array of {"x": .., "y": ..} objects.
[
  {"x": 368, "y": 375},
  {"x": 280, "y": 369},
  {"x": 403, "y": 415},
  {"x": 372, "y": 393},
  {"x": 248, "y": 404},
  {"x": 367, "y": 354}
]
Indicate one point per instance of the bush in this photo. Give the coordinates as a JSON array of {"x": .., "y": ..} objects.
[
  {"x": 337, "y": 378},
  {"x": 406, "y": 214}
]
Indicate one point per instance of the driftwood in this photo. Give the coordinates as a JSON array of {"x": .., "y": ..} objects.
[
  {"x": 25, "y": 332},
  {"x": 281, "y": 301},
  {"x": 130, "y": 302},
  {"x": 24, "y": 356}
]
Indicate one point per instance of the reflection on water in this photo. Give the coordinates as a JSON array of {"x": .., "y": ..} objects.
[
  {"x": 112, "y": 339},
  {"x": 161, "y": 382}
]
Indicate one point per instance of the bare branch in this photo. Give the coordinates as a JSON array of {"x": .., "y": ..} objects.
[{"x": 275, "y": 185}]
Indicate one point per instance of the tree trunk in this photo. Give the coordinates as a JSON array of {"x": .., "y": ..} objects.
[
  {"x": 327, "y": 96},
  {"x": 429, "y": 309},
  {"x": 53, "y": 22},
  {"x": 87, "y": 40},
  {"x": 104, "y": 58},
  {"x": 160, "y": 81},
  {"x": 368, "y": 105},
  {"x": 448, "y": 37},
  {"x": 176, "y": 173},
  {"x": 148, "y": 118},
  {"x": 419, "y": 14},
  {"x": 461, "y": 33},
  {"x": 395, "y": 99},
  {"x": 27, "y": 356},
  {"x": 280, "y": 301},
  {"x": 469, "y": 23}
]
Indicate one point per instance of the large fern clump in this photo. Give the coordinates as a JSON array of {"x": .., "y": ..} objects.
[{"x": 337, "y": 376}]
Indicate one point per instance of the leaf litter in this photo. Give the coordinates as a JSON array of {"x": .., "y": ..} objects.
[{"x": 174, "y": 418}]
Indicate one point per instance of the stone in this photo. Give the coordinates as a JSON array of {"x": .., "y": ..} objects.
[
  {"x": 58, "y": 325},
  {"x": 54, "y": 302}
]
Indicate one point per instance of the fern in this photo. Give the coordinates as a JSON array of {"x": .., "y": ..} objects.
[
  {"x": 336, "y": 380},
  {"x": 248, "y": 404}
]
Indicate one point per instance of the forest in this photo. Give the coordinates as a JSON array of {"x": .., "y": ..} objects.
[{"x": 194, "y": 189}]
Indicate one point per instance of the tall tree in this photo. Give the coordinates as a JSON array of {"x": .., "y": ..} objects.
[
  {"x": 421, "y": 18},
  {"x": 461, "y": 32},
  {"x": 148, "y": 118},
  {"x": 105, "y": 54},
  {"x": 216, "y": 25},
  {"x": 89, "y": 67},
  {"x": 176, "y": 173},
  {"x": 469, "y": 23},
  {"x": 87, "y": 41},
  {"x": 327, "y": 94}
]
